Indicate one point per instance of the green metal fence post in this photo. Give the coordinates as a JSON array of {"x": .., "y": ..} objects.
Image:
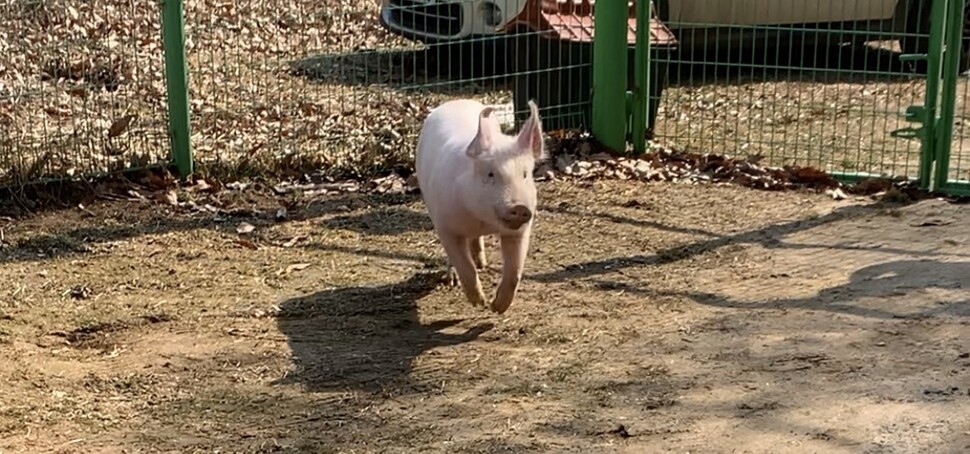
[
  {"x": 177, "y": 80},
  {"x": 951, "y": 62},
  {"x": 641, "y": 74},
  {"x": 933, "y": 59},
  {"x": 610, "y": 73}
]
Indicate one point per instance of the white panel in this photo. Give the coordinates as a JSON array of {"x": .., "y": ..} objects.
[{"x": 774, "y": 12}]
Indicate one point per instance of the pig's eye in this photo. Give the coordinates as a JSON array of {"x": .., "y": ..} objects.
[
  {"x": 525, "y": 175},
  {"x": 491, "y": 174}
]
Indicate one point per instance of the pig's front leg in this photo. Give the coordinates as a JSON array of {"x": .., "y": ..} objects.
[
  {"x": 460, "y": 260},
  {"x": 477, "y": 248},
  {"x": 514, "y": 250}
]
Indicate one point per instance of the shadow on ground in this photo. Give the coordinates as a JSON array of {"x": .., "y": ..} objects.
[
  {"x": 884, "y": 281},
  {"x": 393, "y": 220},
  {"x": 822, "y": 63},
  {"x": 365, "y": 337},
  {"x": 78, "y": 237},
  {"x": 452, "y": 68},
  {"x": 464, "y": 68},
  {"x": 768, "y": 237}
]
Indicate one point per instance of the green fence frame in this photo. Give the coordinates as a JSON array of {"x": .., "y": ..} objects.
[
  {"x": 611, "y": 125},
  {"x": 177, "y": 81},
  {"x": 936, "y": 116},
  {"x": 952, "y": 24}
]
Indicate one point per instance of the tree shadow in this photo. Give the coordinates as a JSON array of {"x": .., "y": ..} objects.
[{"x": 364, "y": 337}]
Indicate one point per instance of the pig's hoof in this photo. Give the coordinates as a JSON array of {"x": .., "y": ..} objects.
[
  {"x": 499, "y": 307},
  {"x": 477, "y": 300},
  {"x": 451, "y": 277}
]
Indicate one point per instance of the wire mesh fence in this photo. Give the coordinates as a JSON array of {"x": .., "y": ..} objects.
[
  {"x": 808, "y": 83},
  {"x": 309, "y": 84},
  {"x": 342, "y": 87},
  {"x": 345, "y": 86},
  {"x": 81, "y": 88},
  {"x": 960, "y": 145},
  {"x": 959, "y": 157}
]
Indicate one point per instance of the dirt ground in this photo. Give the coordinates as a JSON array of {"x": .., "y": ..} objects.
[{"x": 653, "y": 318}]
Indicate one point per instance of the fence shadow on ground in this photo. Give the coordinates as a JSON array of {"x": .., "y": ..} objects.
[
  {"x": 48, "y": 244},
  {"x": 821, "y": 63},
  {"x": 770, "y": 241},
  {"x": 466, "y": 68},
  {"x": 393, "y": 220},
  {"x": 459, "y": 68},
  {"x": 767, "y": 237},
  {"x": 882, "y": 280},
  {"x": 425, "y": 260},
  {"x": 364, "y": 337},
  {"x": 563, "y": 208}
]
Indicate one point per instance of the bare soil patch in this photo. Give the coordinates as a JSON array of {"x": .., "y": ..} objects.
[{"x": 654, "y": 318}]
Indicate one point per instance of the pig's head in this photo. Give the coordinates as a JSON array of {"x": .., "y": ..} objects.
[{"x": 502, "y": 189}]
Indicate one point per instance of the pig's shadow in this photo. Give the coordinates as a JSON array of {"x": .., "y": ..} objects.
[
  {"x": 365, "y": 337},
  {"x": 393, "y": 220}
]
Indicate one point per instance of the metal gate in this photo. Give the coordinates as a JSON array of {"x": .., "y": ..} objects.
[{"x": 945, "y": 158}]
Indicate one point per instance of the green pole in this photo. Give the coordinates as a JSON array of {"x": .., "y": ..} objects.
[
  {"x": 641, "y": 75},
  {"x": 933, "y": 57},
  {"x": 951, "y": 61},
  {"x": 177, "y": 80},
  {"x": 609, "y": 73}
]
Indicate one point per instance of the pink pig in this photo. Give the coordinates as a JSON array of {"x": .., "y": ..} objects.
[{"x": 475, "y": 180}]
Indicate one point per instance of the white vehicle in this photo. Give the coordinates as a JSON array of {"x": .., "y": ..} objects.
[
  {"x": 697, "y": 24},
  {"x": 442, "y": 21}
]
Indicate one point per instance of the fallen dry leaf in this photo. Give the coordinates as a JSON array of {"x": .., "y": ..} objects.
[
  {"x": 293, "y": 268},
  {"x": 870, "y": 186},
  {"x": 200, "y": 186},
  {"x": 245, "y": 228},
  {"x": 836, "y": 193},
  {"x": 247, "y": 244},
  {"x": 170, "y": 197},
  {"x": 292, "y": 241},
  {"x": 120, "y": 126}
]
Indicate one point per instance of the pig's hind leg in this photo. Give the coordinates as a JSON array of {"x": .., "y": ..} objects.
[
  {"x": 477, "y": 248},
  {"x": 460, "y": 262}
]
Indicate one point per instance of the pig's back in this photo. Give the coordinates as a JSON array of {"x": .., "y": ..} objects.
[
  {"x": 440, "y": 159},
  {"x": 448, "y": 130}
]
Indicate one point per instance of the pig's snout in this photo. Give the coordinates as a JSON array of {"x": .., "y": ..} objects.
[{"x": 517, "y": 215}]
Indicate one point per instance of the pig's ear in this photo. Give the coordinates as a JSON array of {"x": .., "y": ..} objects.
[
  {"x": 486, "y": 134},
  {"x": 530, "y": 137}
]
